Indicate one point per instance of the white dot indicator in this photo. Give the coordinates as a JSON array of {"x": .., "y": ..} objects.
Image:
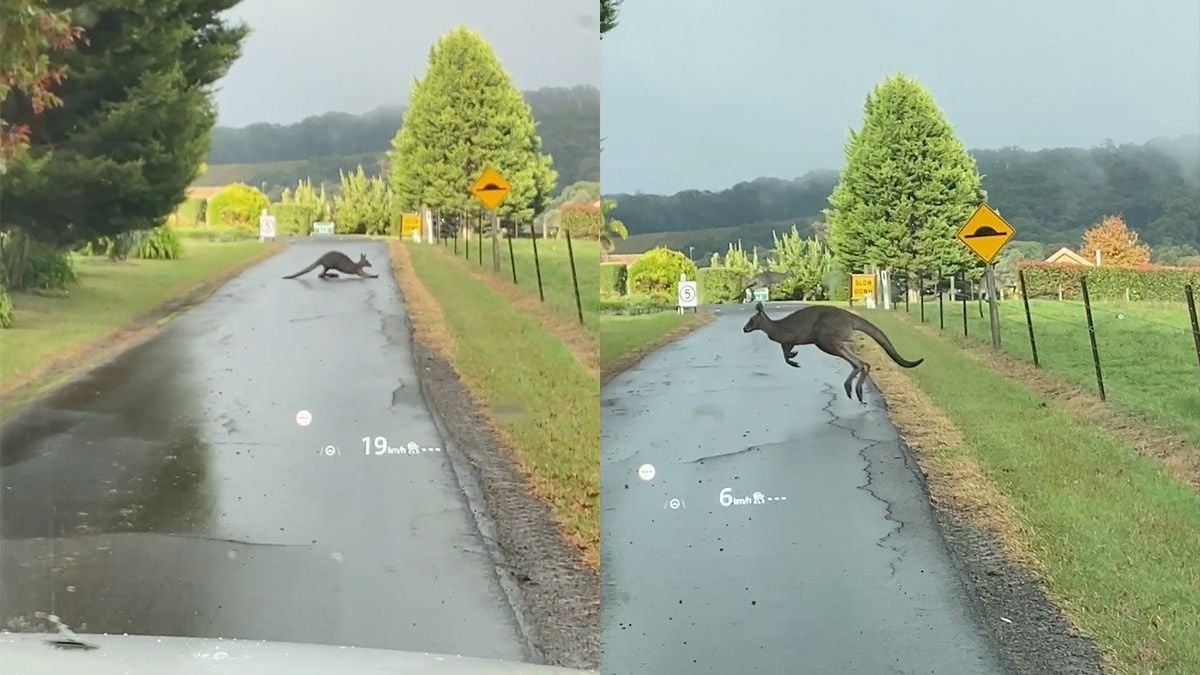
[
  {"x": 304, "y": 418},
  {"x": 646, "y": 472}
]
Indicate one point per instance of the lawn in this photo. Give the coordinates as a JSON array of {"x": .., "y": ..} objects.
[
  {"x": 626, "y": 338},
  {"x": 556, "y": 272},
  {"x": 536, "y": 391},
  {"x": 1114, "y": 532},
  {"x": 109, "y": 296},
  {"x": 1147, "y": 353}
]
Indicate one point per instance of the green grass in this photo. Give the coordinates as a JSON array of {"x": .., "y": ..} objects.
[
  {"x": 1116, "y": 534},
  {"x": 109, "y": 296},
  {"x": 539, "y": 393},
  {"x": 1147, "y": 353},
  {"x": 622, "y": 336},
  {"x": 556, "y": 273}
]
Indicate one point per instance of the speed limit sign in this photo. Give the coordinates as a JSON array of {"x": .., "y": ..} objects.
[{"x": 687, "y": 294}]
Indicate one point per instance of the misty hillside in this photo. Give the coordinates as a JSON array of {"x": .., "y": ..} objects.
[
  {"x": 317, "y": 147},
  {"x": 1049, "y": 196}
]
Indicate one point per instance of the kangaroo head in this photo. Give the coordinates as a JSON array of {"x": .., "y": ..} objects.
[
  {"x": 362, "y": 260},
  {"x": 757, "y": 320}
]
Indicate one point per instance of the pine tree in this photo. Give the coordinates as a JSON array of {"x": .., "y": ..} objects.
[
  {"x": 464, "y": 116},
  {"x": 907, "y": 186},
  {"x": 132, "y": 130}
]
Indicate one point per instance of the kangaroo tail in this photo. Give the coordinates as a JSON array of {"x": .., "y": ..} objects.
[
  {"x": 306, "y": 270},
  {"x": 877, "y": 335}
]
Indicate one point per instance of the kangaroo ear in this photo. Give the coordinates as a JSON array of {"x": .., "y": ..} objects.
[{"x": 758, "y": 308}]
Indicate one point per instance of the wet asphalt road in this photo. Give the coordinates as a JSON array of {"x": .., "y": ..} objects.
[
  {"x": 838, "y": 569},
  {"x": 172, "y": 492}
]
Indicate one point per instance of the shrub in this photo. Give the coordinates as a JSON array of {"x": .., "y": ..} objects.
[
  {"x": 613, "y": 278},
  {"x": 293, "y": 219},
  {"x": 48, "y": 268},
  {"x": 236, "y": 205},
  {"x": 161, "y": 243},
  {"x": 719, "y": 284},
  {"x": 657, "y": 272},
  {"x": 581, "y": 220},
  {"x": 6, "y": 309},
  {"x": 217, "y": 233},
  {"x": 191, "y": 212},
  {"x": 1143, "y": 282},
  {"x": 634, "y": 304}
]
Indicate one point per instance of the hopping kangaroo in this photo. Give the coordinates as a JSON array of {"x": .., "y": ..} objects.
[
  {"x": 831, "y": 329},
  {"x": 336, "y": 260},
  {"x": 764, "y": 278}
]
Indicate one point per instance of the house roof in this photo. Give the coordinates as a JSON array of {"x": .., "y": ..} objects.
[
  {"x": 1066, "y": 255},
  {"x": 204, "y": 191}
]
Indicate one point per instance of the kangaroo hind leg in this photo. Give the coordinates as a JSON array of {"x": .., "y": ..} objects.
[
  {"x": 861, "y": 369},
  {"x": 840, "y": 350}
]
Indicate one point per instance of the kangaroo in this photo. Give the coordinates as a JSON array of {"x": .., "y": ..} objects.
[
  {"x": 336, "y": 260},
  {"x": 764, "y": 278},
  {"x": 831, "y": 329}
]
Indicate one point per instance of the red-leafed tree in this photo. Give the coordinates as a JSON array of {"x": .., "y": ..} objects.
[
  {"x": 1115, "y": 242},
  {"x": 27, "y": 76}
]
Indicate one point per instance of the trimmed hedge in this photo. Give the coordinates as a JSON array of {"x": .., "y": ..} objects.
[
  {"x": 634, "y": 304},
  {"x": 294, "y": 219},
  {"x": 191, "y": 212},
  {"x": 6, "y": 309},
  {"x": 614, "y": 278},
  {"x": 1145, "y": 282},
  {"x": 719, "y": 284}
]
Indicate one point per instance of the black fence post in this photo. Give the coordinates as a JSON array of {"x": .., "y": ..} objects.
[
  {"x": 574, "y": 278},
  {"x": 1087, "y": 308},
  {"x": 537, "y": 265},
  {"x": 479, "y": 241},
  {"x": 467, "y": 242},
  {"x": 966, "y": 294},
  {"x": 456, "y": 239},
  {"x": 907, "y": 289},
  {"x": 921, "y": 290},
  {"x": 1028, "y": 318},
  {"x": 1191, "y": 303},
  {"x": 512, "y": 260},
  {"x": 941, "y": 310}
]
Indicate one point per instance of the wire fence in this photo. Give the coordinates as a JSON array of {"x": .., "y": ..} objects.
[
  {"x": 565, "y": 272},
  {"x": 1143, "y": 355}
]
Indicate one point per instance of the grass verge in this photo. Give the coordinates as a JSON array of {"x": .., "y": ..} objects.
[
  {"x": 556, "y": 272},
  {"x": 1147, "y": 353},
  {"x": 536, "y": 395},
  {"x": 1113, "y": 533},
  {"x": 626, "y": 339},
  {"x": 114, "y": 303}
]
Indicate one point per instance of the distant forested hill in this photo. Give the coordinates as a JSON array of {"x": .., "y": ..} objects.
[
  {"x": 1049, "y": 196},
  {"x": 317, "y": 147}
]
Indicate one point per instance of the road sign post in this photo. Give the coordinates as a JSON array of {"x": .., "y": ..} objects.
[
  {"x": 686, "y": 296},
  {"x": 985, "y": 233},
  {"x": 490, "y": 189},
  {"x": 266, "y": 226}
]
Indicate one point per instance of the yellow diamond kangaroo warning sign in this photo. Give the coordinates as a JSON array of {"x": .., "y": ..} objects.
[
  {"x": 491, "y": 188},
  {"x": 985, "y": 233}
]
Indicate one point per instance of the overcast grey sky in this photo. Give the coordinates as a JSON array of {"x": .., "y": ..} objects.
[
  {"x": 706, "y": 93},
  {"x": 307, "y": 58}
]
